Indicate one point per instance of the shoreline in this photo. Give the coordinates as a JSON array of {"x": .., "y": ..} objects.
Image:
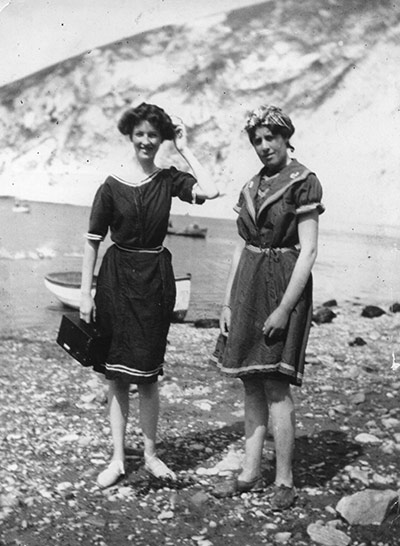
[{"x": 56, "y": 439}]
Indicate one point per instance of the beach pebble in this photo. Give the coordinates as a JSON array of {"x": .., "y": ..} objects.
[
  {"x": 366, "y": 438},
  {"x": 359, "y": 475},
  {"x": 358, "y": 398},
  {"x": 327, "y": 535},
  {"x": 282, "y": 538},
  {"x": 199, "y": 498},
  {"x": 391, "y": 422}
]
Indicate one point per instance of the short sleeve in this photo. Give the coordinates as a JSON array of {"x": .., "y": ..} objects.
[
  {"x": 238, "y": 207},
  {"x": 308, "y": 195},
  {"x": 184, "y": 186},
  {"x": 100, "y": 216}
]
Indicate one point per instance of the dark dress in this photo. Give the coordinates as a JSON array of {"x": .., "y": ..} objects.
[
  {"x": 135, "y": 293},
  {"x": 267, "y": 221}
]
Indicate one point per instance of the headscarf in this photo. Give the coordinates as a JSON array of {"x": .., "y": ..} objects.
[{"x": 272, "y": 117}]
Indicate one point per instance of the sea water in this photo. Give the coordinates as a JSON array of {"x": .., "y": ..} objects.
[{"x": 361, "y": 267}]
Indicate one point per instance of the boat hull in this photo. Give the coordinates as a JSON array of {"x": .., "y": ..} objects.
[{"x": 66, "y": 287}]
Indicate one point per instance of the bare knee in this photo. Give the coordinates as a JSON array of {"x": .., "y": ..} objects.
[
  {"x": 253, "y": 386},
  {"x": 147, "y": 390},
  {"x": 277, "y": 390},
  {"x": 118, "y": 387}
]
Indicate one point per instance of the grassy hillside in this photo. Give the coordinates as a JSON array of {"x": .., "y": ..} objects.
[{"x": 57, "y": 127}]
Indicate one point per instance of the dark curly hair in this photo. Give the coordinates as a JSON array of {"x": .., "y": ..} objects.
[{"x": 147, "y": 112}]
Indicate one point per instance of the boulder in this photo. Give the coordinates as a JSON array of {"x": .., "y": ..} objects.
[
  {"x": 372, "y": 311},
  {"x": 359, "y": 341},
  {"x": 369, "y": 507},
  {"x": 395, "y": 308},
  {"x": 323, "y": 315},
  {"x": 330, "y": 303}
]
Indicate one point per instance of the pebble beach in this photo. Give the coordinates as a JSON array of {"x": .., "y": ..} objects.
[{"x": 56, "y": 439}]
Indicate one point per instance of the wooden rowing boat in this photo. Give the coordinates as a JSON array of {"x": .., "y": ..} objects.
[{"x": 66, "y": 286}]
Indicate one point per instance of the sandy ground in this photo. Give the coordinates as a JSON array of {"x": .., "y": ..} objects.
[{"x": 55, "y": 440}]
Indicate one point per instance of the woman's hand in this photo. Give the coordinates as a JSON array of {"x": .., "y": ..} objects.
[
  {"x": 276, "y": 323},
  {"x": 87, "y": 308},
  {"x": 180, "y": 139},
  {"x": 225, "y": 320}
]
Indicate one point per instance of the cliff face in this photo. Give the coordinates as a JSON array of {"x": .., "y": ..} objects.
[{"x": 331, "y": 64}]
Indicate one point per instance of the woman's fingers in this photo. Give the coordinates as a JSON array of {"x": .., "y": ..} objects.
[{"x": 225, "y": 321}]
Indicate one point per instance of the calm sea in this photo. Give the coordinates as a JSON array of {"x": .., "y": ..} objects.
[{"x": 363, "y": 268}]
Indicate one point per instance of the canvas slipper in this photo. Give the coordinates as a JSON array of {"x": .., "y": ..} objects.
[
  {"x": 111, "y": 474},
  {"x": 157, "y": 468},
  {"x": 235, "y": 486}
]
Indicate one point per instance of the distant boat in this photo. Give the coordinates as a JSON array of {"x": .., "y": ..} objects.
[
  {"x": 66, "y": 285},
  {"x": 192, "y": 230},
  {"x": 20, "y": 206}
]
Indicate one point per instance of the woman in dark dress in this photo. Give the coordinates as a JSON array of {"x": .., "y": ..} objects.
[
  {"x": 266, "y": 318},
  {"x": 135, "y": 293}
]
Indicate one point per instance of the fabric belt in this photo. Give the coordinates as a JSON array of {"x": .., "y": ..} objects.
[
  {"x": 156, "y": 250},
  {"x": 269, "y": 250}
]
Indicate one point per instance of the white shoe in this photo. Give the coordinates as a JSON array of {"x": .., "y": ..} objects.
[
  {"x": 110, "y": 475},
  {"x": 157, "y": 468}
]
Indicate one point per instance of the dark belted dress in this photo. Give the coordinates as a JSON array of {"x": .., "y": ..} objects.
[
  {"x": 268, "y": 210},
  {"x": 135, "y": 294}
]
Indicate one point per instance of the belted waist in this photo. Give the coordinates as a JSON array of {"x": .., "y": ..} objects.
[
  {"x": 268, "y": 250},
  {"x": 155, "y": 250}
]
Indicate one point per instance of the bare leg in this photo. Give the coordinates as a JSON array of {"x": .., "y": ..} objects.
[
  {"x": 118, "y": 406},
  {"x": 149, "y": 407},
  {"x": 282, "y": 415},
  {"x": 256, "y": 420}
]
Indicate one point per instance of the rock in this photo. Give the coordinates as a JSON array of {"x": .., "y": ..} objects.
[
  {"x": 388, "y": 447},
  {"x": 390, "y": 422},
  {"x": 365, "y": 438},
  {"x": 372, "y": 311},
  {"x": 358, "y": 398},
  {"x": 369, "y": 507},
  {"x": 357, "y": 341},
  {"x": 199, "y": 498},
  {"x": 395, "y": 308},
  {"x": 207, "y": 323},
  {"x": 270, "y": 526},
  {"x": 282, "y": 538},
  {"x": 356, "y": 474},
  {"x": 166, "y": 514},
  {"x": 327, "y": 535},
  {"x": 330, "y": 303},
  {"x": 378, "y": 479},
  {"x": 323, "y": 315},
  {"x": 171, "y": 391}
]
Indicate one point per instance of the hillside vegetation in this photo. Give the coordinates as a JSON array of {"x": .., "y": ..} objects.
[{"x": 327, "y": 62}]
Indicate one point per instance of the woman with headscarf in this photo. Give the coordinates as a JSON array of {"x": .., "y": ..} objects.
[
  {"x": 267, "y": 311},
  {"x": 135, "y": 293}
]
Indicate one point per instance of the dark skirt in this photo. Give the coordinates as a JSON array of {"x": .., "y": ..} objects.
[
  {"x": 260, "y": 282},
  {"x": 135, "y": 298}
]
